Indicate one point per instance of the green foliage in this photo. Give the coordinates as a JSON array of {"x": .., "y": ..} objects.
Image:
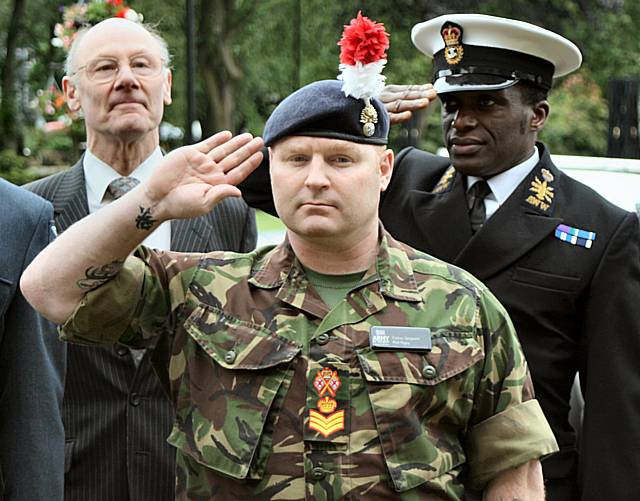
[
  {"x": 54, "y": 148},
  {"x": 274, "y": 63},
  {"x": 14, "y": 168},
  {"x": 578, "y": 120}
]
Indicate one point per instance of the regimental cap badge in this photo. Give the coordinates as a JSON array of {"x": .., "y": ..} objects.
[
  {"x": 363, "y": 49},
  {"x": 369, "y": 117},
  {"x": 452, "y": 35}
]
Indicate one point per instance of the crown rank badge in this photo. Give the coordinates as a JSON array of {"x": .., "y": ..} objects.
[
  {"x": 328, "y": 407},
  {"x": 452, "y": 35}
]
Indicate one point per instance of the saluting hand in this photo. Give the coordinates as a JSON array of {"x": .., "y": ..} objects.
[
  {"x": 402, "y": 100},
  {"x": 192, "y": 179}
]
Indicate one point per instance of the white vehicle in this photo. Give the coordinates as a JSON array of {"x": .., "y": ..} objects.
[{"x": 616, "y": 179}]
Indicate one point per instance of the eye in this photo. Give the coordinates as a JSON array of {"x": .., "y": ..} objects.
[
  {"x": 449, "y": 106},
  {"x": 297, "y": 158},
  {"x": 105, "y": 66},
  {"x": 486, "y": 102},
  {"x": 341, "y": 160},
  {"x": 141, "y": 62}
]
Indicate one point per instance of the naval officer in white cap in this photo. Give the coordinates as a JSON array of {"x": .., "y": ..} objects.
[{"x": 563, "y": 261}]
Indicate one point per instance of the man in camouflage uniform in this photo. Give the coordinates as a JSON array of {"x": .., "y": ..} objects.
[{"x": 340, "y": 364}]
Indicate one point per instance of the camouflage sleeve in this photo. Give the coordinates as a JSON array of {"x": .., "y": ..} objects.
[
  {"x": 135, "y": 307},
  {"x": 508, "y": 427}
]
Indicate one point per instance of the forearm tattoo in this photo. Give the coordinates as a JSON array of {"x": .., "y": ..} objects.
[
  {"x": 96, "y": 276},
  {"x": 144, "y": 220}
]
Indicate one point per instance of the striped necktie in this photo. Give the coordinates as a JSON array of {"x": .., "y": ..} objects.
[{"x": 121, "y": 185}]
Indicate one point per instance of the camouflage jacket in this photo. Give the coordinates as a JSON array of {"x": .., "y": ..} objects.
[{"x": 277, "y": 397}]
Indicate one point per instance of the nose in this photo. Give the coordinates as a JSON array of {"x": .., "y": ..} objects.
[
  {"x": 126, "y": 78},
  {"x": 317, "y": 174},
  {"x": 463, "y": 119}
]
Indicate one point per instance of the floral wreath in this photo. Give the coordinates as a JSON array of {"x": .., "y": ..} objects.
[{"x": 88, "y": 13}]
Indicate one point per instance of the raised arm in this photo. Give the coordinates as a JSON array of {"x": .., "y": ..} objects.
[
  {"x": 402, "y": 100},
  {"x": 188, "y": 183}
]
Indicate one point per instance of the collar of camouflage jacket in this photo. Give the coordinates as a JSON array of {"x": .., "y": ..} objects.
[{"x": 392, "y": 270}]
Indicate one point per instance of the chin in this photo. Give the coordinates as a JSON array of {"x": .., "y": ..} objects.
[{"x": 468, "y": 166}]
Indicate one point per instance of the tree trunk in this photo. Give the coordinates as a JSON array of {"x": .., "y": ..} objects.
[
  {"x": 218, "y": 70},
  {"x": 9, "y": 133}
]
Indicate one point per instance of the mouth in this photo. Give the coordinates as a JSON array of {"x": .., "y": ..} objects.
[
  {"x": 464, "y": 146},
  {"x": 127, "y": 103},
  {"x": 317, "y": 205}
]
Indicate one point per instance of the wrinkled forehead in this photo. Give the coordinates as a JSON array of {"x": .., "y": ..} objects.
[{"x": 116, "y": 37}]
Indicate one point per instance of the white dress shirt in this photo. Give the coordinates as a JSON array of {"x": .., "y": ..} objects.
[
  {"x": 98, "y": 175},
  {"x": 502, "y": 185}
]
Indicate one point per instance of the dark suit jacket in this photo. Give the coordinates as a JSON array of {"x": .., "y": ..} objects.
[
  {"x": 116, "y": 415},
  {"x": 574, "y": 308},
  {"x": 32, "y": 361}
]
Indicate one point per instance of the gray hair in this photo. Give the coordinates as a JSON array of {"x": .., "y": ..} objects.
[{"x": 69, "y": 63}]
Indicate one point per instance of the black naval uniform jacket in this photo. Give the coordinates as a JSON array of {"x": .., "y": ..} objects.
[
  {"x": 116, "y": 414},
  {"x": 574, "y": 308}
]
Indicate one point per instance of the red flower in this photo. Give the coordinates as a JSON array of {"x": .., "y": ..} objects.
[
  {"x": 115, "y": 3},
  {"x": 122, "y": 12},
  {"x": 363, "y": 41}
]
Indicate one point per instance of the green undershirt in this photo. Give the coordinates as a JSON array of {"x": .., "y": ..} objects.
[{"x": 333, "y": 288}]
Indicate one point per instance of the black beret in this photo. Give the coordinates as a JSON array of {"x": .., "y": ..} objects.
[{"x": 321, "y": 109}]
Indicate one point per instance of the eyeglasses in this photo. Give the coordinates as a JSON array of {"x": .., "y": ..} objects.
[{"x": 106, "y": 69}]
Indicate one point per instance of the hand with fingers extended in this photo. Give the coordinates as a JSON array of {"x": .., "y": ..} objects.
[
  {"x": 402, "y": 100},
  {"x": 192, "y": 179}
]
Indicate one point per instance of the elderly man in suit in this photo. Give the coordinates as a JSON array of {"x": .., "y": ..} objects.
[
  {"x": 564, "y": 262},
  {"x": 116, "y": 412},
  {"x": 32, "y": 361}
]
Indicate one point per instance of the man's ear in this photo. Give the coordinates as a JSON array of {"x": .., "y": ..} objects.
[
  {"x": 386, "y": 168},
  {"x": 70, "y": 90},
  {"x": 540, "y": 114},
  {"x": 167, "y": 88}
]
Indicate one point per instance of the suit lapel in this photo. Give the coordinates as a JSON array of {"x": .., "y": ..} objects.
[
  {"x": 190, "y": 235},
  {"x": 520, "y": 224},
  {"x": 70, "y": 198},
  {"x": 439, "y": 212}
]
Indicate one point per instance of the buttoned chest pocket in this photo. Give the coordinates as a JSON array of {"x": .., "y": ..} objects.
[
  {"x": 230, "y": 372},
  {"x": 421, "y": 403}
]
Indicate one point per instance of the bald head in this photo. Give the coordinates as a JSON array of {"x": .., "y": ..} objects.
[{"x": 88, "y": 39}]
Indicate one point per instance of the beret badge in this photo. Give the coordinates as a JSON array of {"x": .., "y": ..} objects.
[
  {"x": 362, "y": 58},
  {"x": 452, "y": 35}
]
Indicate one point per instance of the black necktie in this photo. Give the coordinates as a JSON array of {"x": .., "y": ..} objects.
[
  {"x": 121, "y": 185},
  {"x": 475, "y": 199}
]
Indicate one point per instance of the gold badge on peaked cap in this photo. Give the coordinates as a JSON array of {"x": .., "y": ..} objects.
[
  {"x": 368, "y": 117},
  {"x": 452, "y": 35}
]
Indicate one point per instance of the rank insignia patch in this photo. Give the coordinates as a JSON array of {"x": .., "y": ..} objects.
[
  {"x": 575, "y": 236},
  {"x": 452, "y": 35},
  {"x": 543, "y": 192},
  {"x": 327, "y": 408},
  {"x": 445, "y": 180}
]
